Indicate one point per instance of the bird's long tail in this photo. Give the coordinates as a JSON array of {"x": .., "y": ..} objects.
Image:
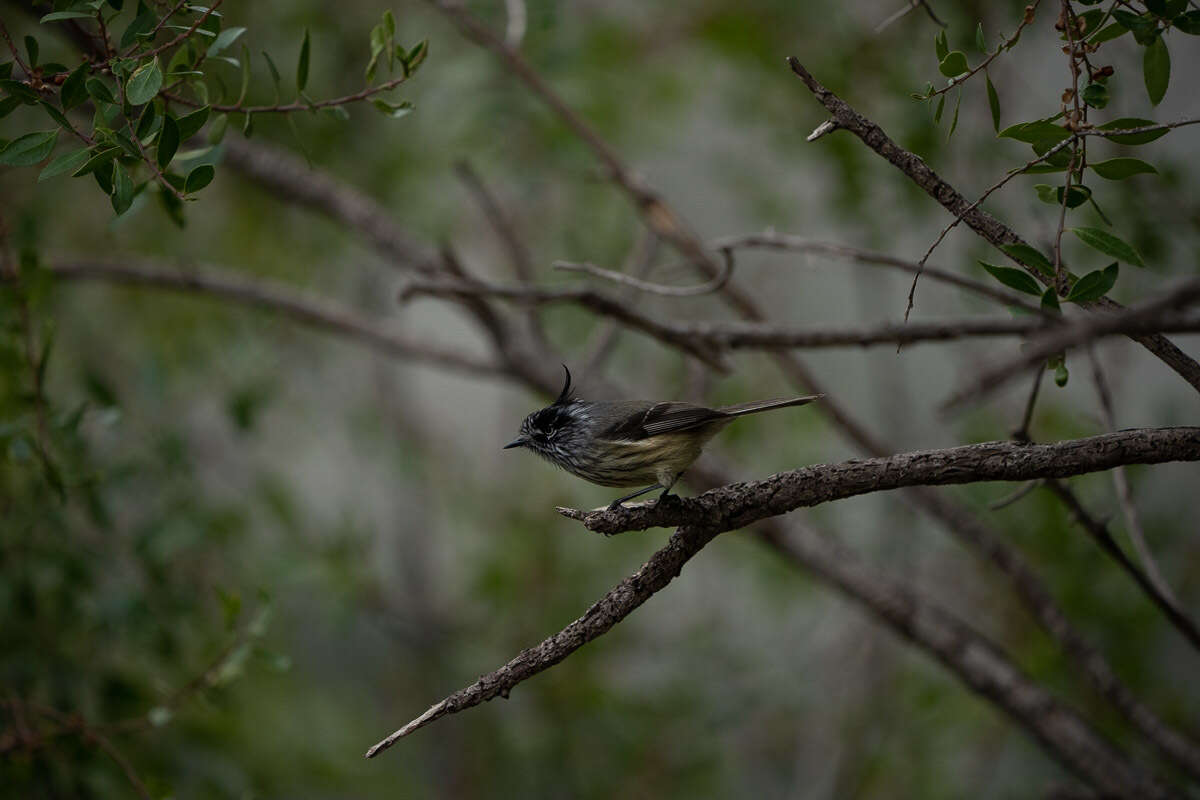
[{"x": 767, "y": 405}]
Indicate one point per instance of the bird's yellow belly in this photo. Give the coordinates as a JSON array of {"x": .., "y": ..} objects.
[{"x": 646, "y": 461}]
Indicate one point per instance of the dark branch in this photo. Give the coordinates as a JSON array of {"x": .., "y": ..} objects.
[
  {"x": 740, "y": 504},
  {"x": 285, "y": 300},
  {"x": 984, "y": 224},
  {"x": 1059, "y": 339}
]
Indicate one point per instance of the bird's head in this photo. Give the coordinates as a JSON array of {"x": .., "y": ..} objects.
[{"x": 546, "y": 431}]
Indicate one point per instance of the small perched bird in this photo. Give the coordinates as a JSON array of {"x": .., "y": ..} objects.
[{"x": 630, "y": 443}]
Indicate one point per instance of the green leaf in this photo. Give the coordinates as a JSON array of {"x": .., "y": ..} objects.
[
  {"x": 1094, "y": 285},
  {"x": 1095, "y": 95},
  {"x": 74, "y": 92},
  {"x": 8, "y": 105},
  {"x": 1108, "y": 244},
  {"x": 1144, "y": 29},
  {"x": 1189, "y": 23},
  {"x": 1037, "y": 132},
  {"x": 1030, "y": 257},
  {"x": 99, "y": 158},
  {"x": 1050, "y": 301},
  {"x": 1017, "y": 279},
  {"x": 146, "y": 124},
  {"x": 955, "y": 63},
  {"x": 216, "y": 131},
  {"x": 168, "y": 141},
  {"x": 1061, "y": 376},
  {"x": 980, "y": 39},
  {"x": 32, "y": 50},
  {"x": 993, "y": 103},
  {"x": 30, "y": 149},
  {"x": 223, "y": 40},
  {"x": 6, "y": 70},
  {"x": 56, "y": 115},
  {"x": 1156, "y": 69},
  {"x": 941, "y": 106},
  {"x": 415, "y": 57},
  {"x": 59, "y": 16},
  {"x": 274, "y": 74},
  {"x": 337, "y": 112},
  {"x": 1166, "y": 9},
  {"x": 190, "y": 124},
  {"x": 68, "y": 162},
  {"x": 302, "y": 64},
  {"x": 939, "y": 45},
  {"x": 1115, "y": 169},
  {"x": 142, "y": 24},
  {"x": 1128, "y": 123},
  {"x": 954, "y": 119},
  {"x": 122, "y": 194},
  {"x": 98, "y": 90},
  {"x": 1108, "y": 33},
  {"x": 18, "y": 89},
  {"x": 1054, "y": 195},
  {"x": 144, "y": 83},
  {"x": 198, "y": 178},
  {"x": 393, "y": 111}
]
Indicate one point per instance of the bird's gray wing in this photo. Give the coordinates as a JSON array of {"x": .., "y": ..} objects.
[{"x": 662, "y": 418}]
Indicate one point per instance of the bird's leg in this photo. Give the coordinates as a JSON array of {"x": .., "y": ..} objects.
[
  {"x": 667, "y": 490},
  {"x": 615, "y": 504}
]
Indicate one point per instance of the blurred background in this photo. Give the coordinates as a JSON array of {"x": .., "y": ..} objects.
[{"x": 346, "y": 526}]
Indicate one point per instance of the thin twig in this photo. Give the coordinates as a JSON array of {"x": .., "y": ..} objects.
[
  {"x": 1099, "y": 533},
  {"x": 639, "y": 262},
  {"x": 770, "y": 240},
  {"x": 715, "y": 285},
  {"x": 1021, "y": 434},
  {"x": 163, "y": 21},
  {"x": 1014, "y": 496},
  {"x": 1026, "y": 18},
  {"x": 603, "y": 304},
  {"x": 1133, "y": 524},
  {"x": 181, "y": 37}
]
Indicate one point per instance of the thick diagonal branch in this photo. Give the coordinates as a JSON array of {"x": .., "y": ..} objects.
[{"x": 984, "y": 224}]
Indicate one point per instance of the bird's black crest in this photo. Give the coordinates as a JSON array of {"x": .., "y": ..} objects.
[{"x": 564, "y": 396}]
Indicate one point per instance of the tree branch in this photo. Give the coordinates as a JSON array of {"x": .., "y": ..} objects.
[
  {"x": 671, "y": 335},
  {"x": 984, "y": 224},
  {"x": 972, "y": 658},
  {"x": 294, "y": 182},
  {"x": 1099, "y": 533},
  {"x": 268, "y": 296},
  {"x": 1137, "y": 318},
  {"x": 770, "y": 240},
  {"x": 741, "y": 504}
]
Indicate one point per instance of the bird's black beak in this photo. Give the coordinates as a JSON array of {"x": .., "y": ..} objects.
[{"x": 520, "y": 441}]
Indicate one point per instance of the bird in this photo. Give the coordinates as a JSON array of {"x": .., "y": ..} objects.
[{"x": 632, "y": 442}]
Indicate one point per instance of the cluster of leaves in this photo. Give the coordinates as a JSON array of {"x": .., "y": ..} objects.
[
  {"x": 105, "y": 613},
  {"x": 1059, "y": 141},
  {"x": 153, "y": 89}
]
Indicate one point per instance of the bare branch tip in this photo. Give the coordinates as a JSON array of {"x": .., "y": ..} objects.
[{"x": 828, "y": 126}]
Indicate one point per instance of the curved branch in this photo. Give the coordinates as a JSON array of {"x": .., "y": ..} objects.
[{"x": 269, "y": 296}]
